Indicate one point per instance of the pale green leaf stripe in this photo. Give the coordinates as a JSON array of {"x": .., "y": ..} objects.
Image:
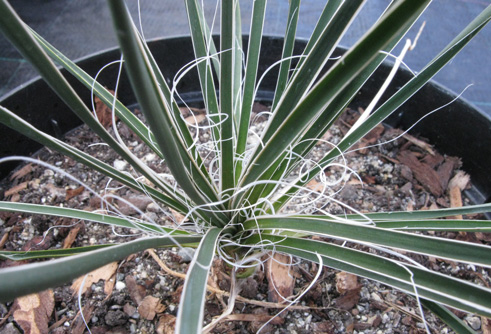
[
  {"x": 288, "y": 45},
  {"x": 171, "y": 198},
  {"x": 467, "y": 225},
  {"x": 423, "y": 214},
  {"x": 448, "y": 317},
  {"x": 227, "y": 37},
  {"x": 401, "y": 96},
  {"x": 252, "y": 61},
  {"x": 48, "y": 254},
  {"x": 22, "y": 280},
  {"x": 125, "y": 115},
  {"x": 204, "y": 46},
  {"x": 155, "y": 109},
  {"x": 431, "y": 285},
  {"x": 335, "y": 80},
  {"x": 191, "y": 309},
  {"x": 85, "y": 215},
  {"x": 438, "y": 247}
]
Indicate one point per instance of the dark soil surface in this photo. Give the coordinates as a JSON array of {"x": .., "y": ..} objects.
[{"x": 141, "y": 294}]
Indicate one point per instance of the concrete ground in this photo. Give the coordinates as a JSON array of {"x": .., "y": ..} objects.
[{"x": 79, "y": 28}]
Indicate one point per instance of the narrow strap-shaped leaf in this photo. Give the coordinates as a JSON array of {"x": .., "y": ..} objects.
[
  {"x": 125, "y": 115},
  {"x": 345, "y": 70},
  {"x": 315, "y": 60},
  {"x": 204, "y": 48},
  {"x": 430, "y": 285},
  {"x": 394, "y": 102},
  {"x": 328, "y": 13},
  {"x": 227, "y": 67},
  {"x": 22, "y": 280},
  {"x": 156, "y": 111},
  {"x": 171, "y": 197},
  {"x": 288, "y": 45},
  {"x": 253, "y": 52},
  {"x": 421, "y": 244},
  {"x": 448, "y": 317},
  {"x": 49, "y": 253},
  {"x": 90, "y": 216},
  {"x": 191, "y": 309},
  {"x": 19, "y": 35},
  {"x": 180, "y": 123},
  {"x": 423, "y": 214},
  {"x": 238, "y": 63}
]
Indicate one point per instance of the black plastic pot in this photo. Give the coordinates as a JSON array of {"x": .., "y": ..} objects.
[{"x": 459, "y": 129}]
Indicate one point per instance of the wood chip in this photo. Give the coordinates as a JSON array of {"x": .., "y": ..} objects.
[
  {"x": 4, "y": 239},
  {"x": 33, "y": 312},
  {"x": 280, "y": 279},
  {"x": 418, "y": 142},
  {"x": 346, "y": 282},
  {"x": 455, "y": 201},
  {"x": 70, "y": 193},
  {"x": 460, "y": 180},
  {"x": 425, "y": 175},
  {"x": 255, "y": 317},
  {"x": 486, "y": 325},
  {"x": 21, "y": 172},
  {"x": 104, "y": 273},
  {"x": 15, "y": 189},
  {"x": 78, "y": 325},
  {"x": 72, "y": 235}
]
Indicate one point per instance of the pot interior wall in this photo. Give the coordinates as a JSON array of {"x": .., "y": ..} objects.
[{"x": 458, "y": 129}]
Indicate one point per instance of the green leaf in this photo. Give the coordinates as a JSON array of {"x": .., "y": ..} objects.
[
  {"x": 448, "y": 317},
  {"x": 22, "y": 280},
  {"x": 158, "y": 115},
  {"x": 430, "y": 285},
  {"x": 227, "y": 69},
  {"x": 343, "y": 72},
  {"x": 172, "y": 198},
  {"x": 90, "y": 216},
  {"x": 253, "y": 52},
  {"x": 401, "y": 96},
  {"x": 288, "y": 45},
  {"x": 191, "y": 311},
  {"x": 369, "y": 235}
]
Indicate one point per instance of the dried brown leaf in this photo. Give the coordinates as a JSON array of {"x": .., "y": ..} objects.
[
  {"x": 103, "y": 112},
  {"x": 137, "y": 292},
  {"x": 103, "y": 273},
  {"x": 32, "y": 312},
  {"x": 149, "y": 307},
  {"x": 486, "y": 325},
  {"x": 280, "y": 278},
  {"x": 167, "y": 324}
]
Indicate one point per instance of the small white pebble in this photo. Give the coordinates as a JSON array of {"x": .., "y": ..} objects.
[
  {"x": 120, "y": 285},
  {"x": 120, "y": 164}
]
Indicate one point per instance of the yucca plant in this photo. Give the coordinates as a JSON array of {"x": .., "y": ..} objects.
[{"x": 232, "y": 193}]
